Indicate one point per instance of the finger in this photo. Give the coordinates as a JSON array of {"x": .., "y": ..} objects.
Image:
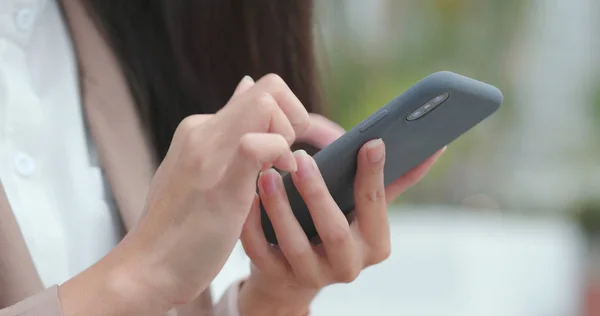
[
  {"x": 263, "y": 151},
  {"x": 411, "y": 178},
  {"x": 369, "y": 197},
  {"x": 292, "y": 240},
  {"x": 331, "y": 224},
  {"x": 254, "y": 153},
  {"x": 249, "y": 113},
  {"x": 245, "y": 84},
  {"x": 287, "y": 100},
  {"x": 281, "y": 125},
  {"x": 253, "y": 113},
  {"x": 263, "y": 256},
  {"x": 321, "y": 132}
]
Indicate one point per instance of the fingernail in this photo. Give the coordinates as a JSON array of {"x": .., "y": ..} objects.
[
  {"x": 375, "y": 150},
  {"x": 270, "y": 182},
  {"x": 248, "y": 78},
  {"x": 305, "y": 165}
]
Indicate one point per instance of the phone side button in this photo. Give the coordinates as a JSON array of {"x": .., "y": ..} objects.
[{"x": 373, "y": 120}]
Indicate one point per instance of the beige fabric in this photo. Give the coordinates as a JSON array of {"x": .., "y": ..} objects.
[
  {"x": 45, "y": 303},
  {"x": 125, "y": 157},
  {"x": 18, "y": 277}
]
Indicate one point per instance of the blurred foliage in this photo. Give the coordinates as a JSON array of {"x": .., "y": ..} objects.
[
  {"x": 470, "y": 37},
  {"x": 596, "y": 104},
  {"x": 587, "y": 215},
  {"x": 414, "y": 38}
]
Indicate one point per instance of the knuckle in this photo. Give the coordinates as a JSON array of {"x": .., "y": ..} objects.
[
  {"x": 374, "y": 196},
  {"x": 188, "y": 124},
  {"x": 280, "y": 271},
  {"x": 265, "y": 107},
  {"x": 265, "y": 104},
  {"x": 337, "y": 237},
  {"x": 379, "y": 253},
  {"x": 299, "y": 253},
  {"x": 245, "y": 147},
  {"x": 317, "y": 282},
  {"x": 274, "y": 81},
  {"x": 311, "y": 278},
  {"x": 347, "y": 274},
  {"x": 186, "y": 130}
]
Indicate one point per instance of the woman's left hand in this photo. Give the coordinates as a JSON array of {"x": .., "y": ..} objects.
[{"x": 285, "y": 279}]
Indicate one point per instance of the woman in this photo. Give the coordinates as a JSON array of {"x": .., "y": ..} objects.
[{"x": 146, "y": 76}]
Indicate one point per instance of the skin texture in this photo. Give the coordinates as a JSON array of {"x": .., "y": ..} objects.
[
  {"x": 284, "y": 280},
  {"x": 199, "y": 204}
]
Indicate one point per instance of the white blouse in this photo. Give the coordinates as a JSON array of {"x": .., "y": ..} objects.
[{"x": 48, "y": 166}]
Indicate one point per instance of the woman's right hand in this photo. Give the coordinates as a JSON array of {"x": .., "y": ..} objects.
[{"x": 198, "y": 202}]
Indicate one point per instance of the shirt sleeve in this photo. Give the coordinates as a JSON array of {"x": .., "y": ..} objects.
[{"x": 45, "y": 303}]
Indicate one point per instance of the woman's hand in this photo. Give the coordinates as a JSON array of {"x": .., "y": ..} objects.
[
  {"x": 284, "y": 280},
  {"x": 320, "y": 132},
  {"x": 197, "y": 205}
]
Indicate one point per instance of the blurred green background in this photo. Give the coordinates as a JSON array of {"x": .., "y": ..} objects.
[
  {"x": 538, "y": 155},
  {"x": 507, "y": 223}
]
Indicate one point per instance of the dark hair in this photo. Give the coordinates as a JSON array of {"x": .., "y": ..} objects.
[{"x": 184, "y": 57}]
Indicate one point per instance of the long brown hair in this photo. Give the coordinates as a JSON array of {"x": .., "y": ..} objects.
[{"x": 184, "y": 57}]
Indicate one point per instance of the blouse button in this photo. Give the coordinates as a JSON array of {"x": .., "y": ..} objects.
[
  {"x": 24, "y": 164},
  {"x": 25, "y": 18}
]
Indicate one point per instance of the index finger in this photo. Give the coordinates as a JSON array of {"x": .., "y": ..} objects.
[
  {"x": 287, "y": 100},
  {"x": 246, "y": 115},
  {"x": 269, "y": 106}
]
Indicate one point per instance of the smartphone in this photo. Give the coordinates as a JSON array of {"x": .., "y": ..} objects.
[{"x": 414, "y": 126}]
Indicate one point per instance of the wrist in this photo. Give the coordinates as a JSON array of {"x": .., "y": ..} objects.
[
  {"x": 260, "y": 297},
  {"x": 114, "y": 286},
  {"x": 129, "y": 281}
]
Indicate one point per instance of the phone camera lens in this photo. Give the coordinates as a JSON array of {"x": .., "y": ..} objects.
[
  {"x": 440, "y": 99},
  {"x": 428, "y": 107},
  {"x": 415, "y": 115}
]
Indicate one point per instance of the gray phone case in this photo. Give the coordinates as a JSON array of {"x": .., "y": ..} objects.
[{"x": 408, "y": 143}]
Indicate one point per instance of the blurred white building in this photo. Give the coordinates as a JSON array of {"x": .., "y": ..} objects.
[
  {"x": 551, "y": 162},
  {"x": 450, "y": 263}
]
